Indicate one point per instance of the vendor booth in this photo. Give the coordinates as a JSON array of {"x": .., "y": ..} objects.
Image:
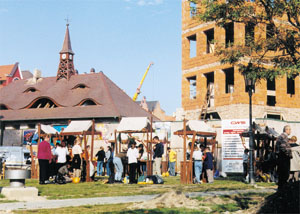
[
  {"x": 139, "y": 128},
  {"x": 205, "y": 134}
]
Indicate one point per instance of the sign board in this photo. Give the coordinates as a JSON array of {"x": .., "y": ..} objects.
[{"x": 232, "y": 147}]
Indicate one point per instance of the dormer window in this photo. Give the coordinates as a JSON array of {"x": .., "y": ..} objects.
[
  {"x": 43, "y": 103},
  {"x": 31, "y": 89},
  {"x": 87, "y": 102},
  {"x": 3, "y": 107},
  {"x": 80, "y": 86}
]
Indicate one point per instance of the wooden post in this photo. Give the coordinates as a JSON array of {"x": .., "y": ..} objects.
[
  {"x": 92, "y": 143},
  {"x": 151, "y": 141},
  {"x": 116, "y": 141},
  {"x": 39, "y": 133},
  {"x": 86, "y": 158},
  {"x": 190, "y": 172},
  {"x": 32, "y": 163},
  {"x": 184, "y": 152}
]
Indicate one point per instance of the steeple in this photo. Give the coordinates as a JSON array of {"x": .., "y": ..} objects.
[
  {"x": 67, "y": 42},
  {"x": 66, "y": 66}
]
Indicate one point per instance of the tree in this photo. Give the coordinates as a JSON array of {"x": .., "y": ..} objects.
[{"x": 268, "y": 55}]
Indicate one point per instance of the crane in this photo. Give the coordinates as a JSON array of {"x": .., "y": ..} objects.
[{"x": 138, "y": 90}]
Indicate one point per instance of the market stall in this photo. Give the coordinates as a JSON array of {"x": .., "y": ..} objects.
[
  {"x": 136, "y": 125},
  {"x": 205, "y": 134}
]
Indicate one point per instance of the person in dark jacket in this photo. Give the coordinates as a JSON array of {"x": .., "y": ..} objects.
[
  {"x": 283, "y": 153},
  {"x": 208, "y": 165},
  {"x": 44, "y": 156},
  {"x": 100, "y": 160},
  {"x": 158, "y": 153}
]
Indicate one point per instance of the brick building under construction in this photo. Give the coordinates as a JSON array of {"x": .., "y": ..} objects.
[{"x": 218, "y": 90}]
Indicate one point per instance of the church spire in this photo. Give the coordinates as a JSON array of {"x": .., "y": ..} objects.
[
  {"x": 66, "y": 66},
  {"x": 67, "y": 42}
]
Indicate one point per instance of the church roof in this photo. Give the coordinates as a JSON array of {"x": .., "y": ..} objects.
[
  {"x": 68, "y": 95},
  {"x": 67, "y": 43},
  {"x": 7, "y": 70}
]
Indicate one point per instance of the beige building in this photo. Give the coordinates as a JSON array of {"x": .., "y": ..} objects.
[{"x": 202, "y": 72}]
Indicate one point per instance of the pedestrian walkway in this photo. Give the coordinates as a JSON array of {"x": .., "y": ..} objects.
[{"x": 51, "y": 204}]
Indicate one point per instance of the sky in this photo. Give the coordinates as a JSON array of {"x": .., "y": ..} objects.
[{"x": 118, "y": 37}]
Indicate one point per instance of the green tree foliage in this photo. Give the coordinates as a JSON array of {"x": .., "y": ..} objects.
[{"x": 274, "y": 50}]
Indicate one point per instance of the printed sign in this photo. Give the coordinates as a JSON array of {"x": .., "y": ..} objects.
[{"x": 232, "y": 147}]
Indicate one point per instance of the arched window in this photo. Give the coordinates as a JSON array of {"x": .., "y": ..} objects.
[
  {"x": 16, "y": 78},
  {"x": 31, "y": 89},
  {"x": 88, "y": 102},
  {"x": 3, "y": 107},
  {"x": 43, "y": 103},
  {"x": 80, "y": 86}
]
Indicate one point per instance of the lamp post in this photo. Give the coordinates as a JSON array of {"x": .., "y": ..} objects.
[{"x": 250, "y": 83}]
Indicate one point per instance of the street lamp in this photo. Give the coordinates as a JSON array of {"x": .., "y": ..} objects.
[{"x": 250, "y": 84}]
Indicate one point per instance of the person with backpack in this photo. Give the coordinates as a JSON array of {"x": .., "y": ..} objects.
[
  {"x": 208, "y": 165},
  {"x": 109, "y": 159},
  {"x": 158, "y": 153},
  {"x": 100, "y": 160}
]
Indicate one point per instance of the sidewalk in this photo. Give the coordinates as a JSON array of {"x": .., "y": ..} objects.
[{"x": 51, "y": 204}]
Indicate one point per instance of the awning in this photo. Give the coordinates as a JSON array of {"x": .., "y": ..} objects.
[
  {"x": 78, "y": 126},
  {"x": 199, "y": 127},
  {"x": 47, "y": 129},
  {"x": 134, "y": 124}
]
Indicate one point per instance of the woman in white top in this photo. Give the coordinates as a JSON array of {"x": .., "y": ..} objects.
[
  {"x": 132, "y": 155},
  {"x": 76, "y": 162},
  {"x": 61, "y": 152}
]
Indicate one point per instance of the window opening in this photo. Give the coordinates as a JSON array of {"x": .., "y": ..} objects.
[
  {"x": 229, "y": 80},
  {"x": 193, "y": 45},
  {"x": 249, "y": 33},
  {"x": 210, "y": 89},
  {"x": 193, "y": 87},
  {"x": 210, "y": 34},
  {"x": 290, "y": 82},
  {"x": 193, "y": 9},
  {"x": 229, "y": 35}
]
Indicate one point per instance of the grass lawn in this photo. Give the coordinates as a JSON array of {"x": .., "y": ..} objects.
[{"x": 98, "y": 189}]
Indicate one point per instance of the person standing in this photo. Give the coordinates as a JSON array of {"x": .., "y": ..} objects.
[
  {"x": 132, "y": 155},
  {"x": 117, "y": 160},
  {"x": 197, "y": 156},
  {"x": 61, "y": 151},
  {"x": 158, "y": 153},
  {"x": 77, "y": 155},
  {"x": 109, "y": 159},
  {"x": 100, "y": 160},
  {"x": 283, "y": 152},
  {"x": 172, "y": 160},
  {"x": 44, "y": 157},
  {"x": 245, "y": 163},
  {"x": 208, "y": 165}
]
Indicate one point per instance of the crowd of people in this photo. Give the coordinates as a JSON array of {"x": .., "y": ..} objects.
[
  {"x": 64, "y": 162},
  {"x": 280, "y": 164}
]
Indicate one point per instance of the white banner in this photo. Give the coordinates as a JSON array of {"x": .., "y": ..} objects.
[{"x": 232, "y": 147}]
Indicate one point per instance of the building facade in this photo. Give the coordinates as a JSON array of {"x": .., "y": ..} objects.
[
  {"x": 9, "y": 73},
  {"x": 218, "y": 90}
]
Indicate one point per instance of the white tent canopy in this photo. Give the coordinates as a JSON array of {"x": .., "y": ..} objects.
[
  {"x": 78, "y": 126},
  {"x": 198, "y": 126},
  {"x": 47, "y": 129},
  {"x": 133, "y": 124}
]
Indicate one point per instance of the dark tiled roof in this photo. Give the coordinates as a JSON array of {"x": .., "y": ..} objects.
[{"x": 111, "y": 100}]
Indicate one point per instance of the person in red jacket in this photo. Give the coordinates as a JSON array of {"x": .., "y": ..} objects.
[{"x": 44, "y": 156}]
